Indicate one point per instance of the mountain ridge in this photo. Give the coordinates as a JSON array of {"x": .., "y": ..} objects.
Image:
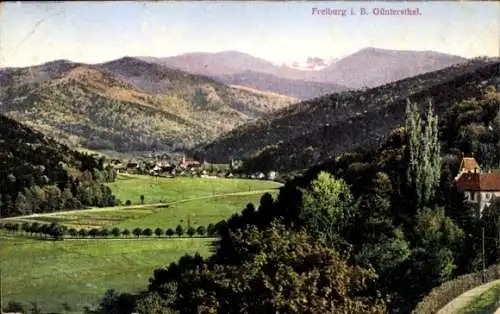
[
  {"x": 288, "y": 133},
  {"x": 127, "y": 103}
]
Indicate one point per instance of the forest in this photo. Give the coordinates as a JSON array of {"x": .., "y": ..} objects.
[
  {"x": 39, "y": 175},
  {"x": 369, "y": 232}
]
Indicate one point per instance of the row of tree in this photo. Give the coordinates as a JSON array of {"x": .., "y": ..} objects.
[{"x": 56, "y": 231}]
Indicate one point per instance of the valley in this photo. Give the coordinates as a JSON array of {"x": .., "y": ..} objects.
[{"x": 182, "y": 157}]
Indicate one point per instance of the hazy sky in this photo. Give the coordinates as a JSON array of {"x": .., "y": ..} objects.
[{"x": 33, "y": 33}]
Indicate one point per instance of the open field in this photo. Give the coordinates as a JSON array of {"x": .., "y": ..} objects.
[
  {"x": 202, "y": 201},
  {"x": 166, "y": 190},
  {"x": 78, "y": 272},
  {"x": 486, "y": 303},
  {"x": 199, "y": 212}
]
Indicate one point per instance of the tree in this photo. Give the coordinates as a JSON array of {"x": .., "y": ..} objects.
[
  {"x": 191, "y": 231},
  {"x": 104, "y": 232},
  {"x": 200, "y": 231},
  {"x": 25, "y": 227},
  {"x": 432, "y": 260},
  {"x": 424, "y": 153},
  {"x": 170, "y": 232},
  {"x": 82, "y": 233},
  {"x": 93, "y": 232},
  {"x": 137, "y": 232},
  {"x": 14, "y": 307},
  {"x": 210, "y": 229},
  {"x": 142, "y": 199},
  {"x": 35, "y": 228},
  {"x": 158, "y": 232},
  {"x": 115, "y": 232},
  {"x": 73, "y": 232},
  {"x": 126, "y": 232},
  {"x": 116, "y": 303},
  {"x": 179, "y": 230},
  {"x": 35, "y": 308},
  {"x": 153, "y": 303},
  {"x": 56, "y": 231},
  {"x": 280, "y": 271},
  {"x": 128, "y": 203},
  {"x": 147, "y": 232},
  {"x": 327, "y": 207}
]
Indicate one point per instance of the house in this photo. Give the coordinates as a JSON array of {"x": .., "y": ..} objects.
[
  {"x": 479, "y": 188},
  {"x": 186, "y": 164}
]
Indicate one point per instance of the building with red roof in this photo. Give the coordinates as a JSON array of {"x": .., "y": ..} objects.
[{"x": 479, "y": 188}]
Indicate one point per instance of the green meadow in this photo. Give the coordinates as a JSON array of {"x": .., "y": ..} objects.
[
  {"x": 166, "y": 190},
  {"x": 77, "y": 272}
]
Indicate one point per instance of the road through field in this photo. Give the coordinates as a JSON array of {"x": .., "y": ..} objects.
[{"x": 102, "y": 209}]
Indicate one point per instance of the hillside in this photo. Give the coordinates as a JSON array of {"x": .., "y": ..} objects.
[
  {"x": 314, "y": 131},
  {"x": 367, "y": 67},
  {"x": 295, "y": 88},
  {"x": 38, "y": 175},
  {"x": 127, "y": 104},
  {"x": 372, "y": 67}
]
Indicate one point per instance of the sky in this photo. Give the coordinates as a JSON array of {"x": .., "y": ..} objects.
[{"x": 37, "y": 32}]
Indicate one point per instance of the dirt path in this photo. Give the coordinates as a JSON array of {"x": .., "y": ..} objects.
[
  {"x": 103, "y": 209},
  {"x": 465, "y": 298}
]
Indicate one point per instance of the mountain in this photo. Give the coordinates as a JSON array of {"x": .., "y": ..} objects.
[
  {"x": 372, "y": 67},
  {"x": 378, "y": 66},
  {"x": 38, "y": 174},
  {"x": 315, "y": 131},
  {"x": 218, "y": 64},
  {"x": 127, "y": 104},
  {"x": 295, "y": 88}
]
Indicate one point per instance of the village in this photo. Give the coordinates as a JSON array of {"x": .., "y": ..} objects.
[{"x": 164, "y": 165}]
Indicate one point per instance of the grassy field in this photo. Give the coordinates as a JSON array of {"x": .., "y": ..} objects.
[
  {"x": 164, "y": 190},
  {"x": 486, "y": 303},
  {"x": 78, "y": 272},
  {"x": 198, "y": 211}
]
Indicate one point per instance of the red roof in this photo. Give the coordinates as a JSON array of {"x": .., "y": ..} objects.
[{"x": 479, "y": 182}]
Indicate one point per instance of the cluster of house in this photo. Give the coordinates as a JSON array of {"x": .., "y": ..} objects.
[
  {"x": 163, "y": 167},
  {"x": 480, "y": 188}
]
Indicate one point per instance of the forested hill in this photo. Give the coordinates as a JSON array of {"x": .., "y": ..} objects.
[
  {"x": 39, "y": 175},
  {"x": 313, "y": 132},
  {"x": 127, "y": 104}
]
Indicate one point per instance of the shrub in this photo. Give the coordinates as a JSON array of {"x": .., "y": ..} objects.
[
  {"x": 128, "y": 203},
  {"x": 126, "y": 232}
]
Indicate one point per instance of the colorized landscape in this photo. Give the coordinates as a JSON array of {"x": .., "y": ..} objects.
[{"x": 249, "y": 157}]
